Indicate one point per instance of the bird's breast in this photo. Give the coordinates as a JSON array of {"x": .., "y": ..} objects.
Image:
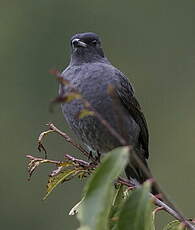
[{"x": 93, "y": 82}]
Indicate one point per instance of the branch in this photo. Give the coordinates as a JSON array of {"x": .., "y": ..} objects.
[
  {"x": 72, "y": 142},
  {"x": 168, "y": 208},
  {"x": 161, "y": 204},
  {"x": 36, "y": 161}
]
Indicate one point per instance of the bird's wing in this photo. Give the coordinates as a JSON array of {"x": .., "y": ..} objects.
[{"x": 125, "y": 92}]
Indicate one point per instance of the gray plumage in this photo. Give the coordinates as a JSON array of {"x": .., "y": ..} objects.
[{"x": 91, "y": 74}]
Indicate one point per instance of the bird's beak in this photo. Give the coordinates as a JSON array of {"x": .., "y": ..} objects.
[{"x": 78, "y": 43}]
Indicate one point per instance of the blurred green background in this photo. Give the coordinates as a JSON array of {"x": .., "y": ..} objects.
[{"x": 152, "y": 41}]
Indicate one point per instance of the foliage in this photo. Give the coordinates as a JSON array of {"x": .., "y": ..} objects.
[
  {"x": 105, "y": 205},
  {"x": 99, "y": 191},
  {"x": 175, "y": 225}
]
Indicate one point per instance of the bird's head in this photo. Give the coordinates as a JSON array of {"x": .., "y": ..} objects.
[{"x": 86, "y": 47}]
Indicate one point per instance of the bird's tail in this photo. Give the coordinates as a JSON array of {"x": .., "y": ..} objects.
[{"x": 134, "y": 172}]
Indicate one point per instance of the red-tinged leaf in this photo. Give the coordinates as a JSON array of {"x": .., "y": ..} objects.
[
  {"x": 110, "y": 89},
  {"x": 63, "y": 81},
  {"x": 59, "y": 76},
  {"x": 64, "y": 99},
  {"x": 55, "y": 72}
]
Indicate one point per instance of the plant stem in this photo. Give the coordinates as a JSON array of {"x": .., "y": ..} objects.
[{"x": 160, "y": 203}]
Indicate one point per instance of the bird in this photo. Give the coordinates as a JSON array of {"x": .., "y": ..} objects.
[{"x": 92, "y": 74}]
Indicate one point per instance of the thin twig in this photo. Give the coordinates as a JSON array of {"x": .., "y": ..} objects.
[
  {"x": 79, "y": 161},
  {"x": 45, "y": 160},
  {"x": 161, "y": 204},
  {"x": 35, "y": 162},
  {"x": 69, "y": 140},
  {"x": 40, "y": 140}
]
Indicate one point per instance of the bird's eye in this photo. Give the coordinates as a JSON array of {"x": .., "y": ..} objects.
[{"x": 94, "y": 42}]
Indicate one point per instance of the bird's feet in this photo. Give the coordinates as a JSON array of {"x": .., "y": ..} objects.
[
  {"x": 94, "y": 159},
  {"x": 90, "y": 157},
  {"x": 98, "y": 156}
]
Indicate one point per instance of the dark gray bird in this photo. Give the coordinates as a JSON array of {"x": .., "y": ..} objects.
[{"x": 92, "y": 74}]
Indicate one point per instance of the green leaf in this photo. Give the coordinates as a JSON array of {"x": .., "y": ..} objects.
[
  {"x": 95, "y": 208},
  {"x": 76, "y": 208},
  {"x": 84, "y": 228},
  {"x": 59, "y": 178},
  {"x": 116, "y": 204},
  {"x": 174, "y": 225},
  {"x": 84, "y": 113},
  {"x": 136, "y": 213},
  {"x": 65, "y": 99},
  {"x": 72, "y": 96}
]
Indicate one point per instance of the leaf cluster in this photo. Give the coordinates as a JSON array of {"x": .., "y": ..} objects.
[{"x": 105, "y": 205}]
